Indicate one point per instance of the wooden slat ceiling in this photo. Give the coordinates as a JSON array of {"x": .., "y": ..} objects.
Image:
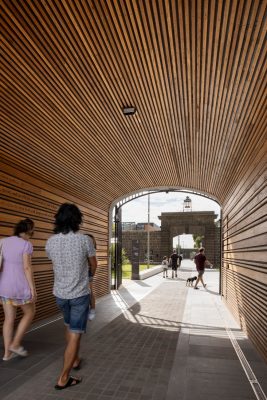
[{"x": 195, "y": 71}]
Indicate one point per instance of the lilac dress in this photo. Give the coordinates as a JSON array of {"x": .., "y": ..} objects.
[{"x": 14, "y": 287}]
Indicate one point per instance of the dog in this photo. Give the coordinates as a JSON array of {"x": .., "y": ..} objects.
[{"x": 190, "y": 281}]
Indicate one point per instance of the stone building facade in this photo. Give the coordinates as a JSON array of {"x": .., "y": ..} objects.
[
  {"x": 173, "y": 224},
  {"x": 141, "y": 235}
]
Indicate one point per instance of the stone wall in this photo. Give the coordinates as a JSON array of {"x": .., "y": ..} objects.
[
  {"x": 172, "y": 225},
  {"x": 155, "y": 240}
]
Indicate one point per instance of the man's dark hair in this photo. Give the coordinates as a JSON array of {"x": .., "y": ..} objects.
[
  {"x": 68, "y": 218},
  {"x": 24, "y": 226}
]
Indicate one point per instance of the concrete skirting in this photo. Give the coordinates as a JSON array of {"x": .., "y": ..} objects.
[{"x": 150, "y": 272}]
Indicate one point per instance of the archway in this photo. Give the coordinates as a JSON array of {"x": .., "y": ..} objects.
[
  {"x": 184, "y": 245},
  {"x": 201, "y": 223},
  {"x": 172, "y": 224}
]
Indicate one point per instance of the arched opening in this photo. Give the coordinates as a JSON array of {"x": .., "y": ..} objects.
[
  {"x": 145, "y": 226},
  {"x": 184, "y": 244}
]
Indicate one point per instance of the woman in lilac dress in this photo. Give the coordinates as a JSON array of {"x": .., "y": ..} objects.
[{"x": 17, "y": 288}]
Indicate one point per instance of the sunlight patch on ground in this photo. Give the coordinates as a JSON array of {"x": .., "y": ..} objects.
[{"x": 141, "y": 319}]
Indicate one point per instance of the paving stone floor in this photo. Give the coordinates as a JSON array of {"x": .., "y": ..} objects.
[{"x": 152, "y": 340}]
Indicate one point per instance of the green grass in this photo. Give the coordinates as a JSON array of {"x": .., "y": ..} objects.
[{"x": 127, "y": 270}]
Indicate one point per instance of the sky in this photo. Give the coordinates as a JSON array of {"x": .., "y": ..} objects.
[{"x": 137, "y": 210}]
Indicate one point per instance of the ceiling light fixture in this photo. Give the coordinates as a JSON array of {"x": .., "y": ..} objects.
[{"x": 129, "y": 110}]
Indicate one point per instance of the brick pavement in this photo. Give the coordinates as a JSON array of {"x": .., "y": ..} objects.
[
  {"x": 129, "y": 358},
  {"x": 152, "y": 340}
]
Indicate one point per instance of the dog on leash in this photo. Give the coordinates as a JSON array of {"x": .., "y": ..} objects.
[{"x": 190, "y": 281}]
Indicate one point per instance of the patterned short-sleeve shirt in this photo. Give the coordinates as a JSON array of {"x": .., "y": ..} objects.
[{"x": 69, "y": 254}]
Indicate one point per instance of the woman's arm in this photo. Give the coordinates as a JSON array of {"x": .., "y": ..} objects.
[{"x": 29, "y": 274}]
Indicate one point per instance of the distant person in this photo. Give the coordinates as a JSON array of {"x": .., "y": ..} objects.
[
  {"x": 180, "y": 257},
  {"x": 165, "y": 264},
  {"x": 70, "y": 252},
  {"x": 92, "y": 312},
  {"x": 17, "y": 287},
  {"x": 199, "y": 260},
  {"x": 174, "y": 258}
]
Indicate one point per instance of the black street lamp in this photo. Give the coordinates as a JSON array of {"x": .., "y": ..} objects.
[{"x": 187, "y": 204}]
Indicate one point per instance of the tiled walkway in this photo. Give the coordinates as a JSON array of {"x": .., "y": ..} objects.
[{"x": 155, "y": 339}]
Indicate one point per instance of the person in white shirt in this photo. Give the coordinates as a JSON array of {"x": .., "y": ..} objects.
[{"x": 70, "y": 252}]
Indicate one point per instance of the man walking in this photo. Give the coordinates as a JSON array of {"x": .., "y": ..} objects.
[
  {"x": 70, "y": 252},
  {"x": 174, "y": 259},
  {"x": 199, "y": 260}
]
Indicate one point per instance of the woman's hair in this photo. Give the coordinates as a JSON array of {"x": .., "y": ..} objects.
[
  {"x": 24, "y": 226},
  {"x": 68, "y": 218},
  {"x": 93, "y": 239}
]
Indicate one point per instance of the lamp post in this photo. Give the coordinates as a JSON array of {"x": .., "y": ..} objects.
[
  {"x": 187, "y": 204},
  {"x": 148, "y": 227},
  {"x": 118, "y": 248}
]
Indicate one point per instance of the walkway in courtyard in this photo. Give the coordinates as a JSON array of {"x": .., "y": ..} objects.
[{"x": 152, "y": 340}]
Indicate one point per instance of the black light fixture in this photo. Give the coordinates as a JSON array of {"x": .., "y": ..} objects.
[
  {"x": 187, "y": 204},
  {"x": 129, "y": 110}
]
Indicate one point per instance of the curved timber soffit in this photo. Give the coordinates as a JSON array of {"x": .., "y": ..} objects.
[{"x": 196, "y": 77}]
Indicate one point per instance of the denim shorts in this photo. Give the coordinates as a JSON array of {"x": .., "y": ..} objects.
[
  {"x": 200, "y": 272},
  {"x": 75, "y": 312}
]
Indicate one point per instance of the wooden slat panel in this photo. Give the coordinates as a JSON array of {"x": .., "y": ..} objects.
[
  {"x": 22, "y": 199},
  {"x": 194, "y": 69},
  {"x": 247, "y": 300},
  {"x": 244, "y": 263},
  {"x": 196, "y": 72}
]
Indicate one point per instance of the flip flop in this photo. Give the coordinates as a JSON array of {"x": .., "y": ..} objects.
[
  {"x": 12, "y": 355},
  {"x": 71, "y": 382},
  {"x": 20, "y": 351}
]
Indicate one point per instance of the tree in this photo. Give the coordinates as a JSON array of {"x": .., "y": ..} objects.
[
  {"x": 197, "y": 240},
  {"x": 124, "y": 257}
]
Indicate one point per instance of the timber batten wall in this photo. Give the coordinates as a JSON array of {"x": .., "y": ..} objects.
[
  {"x": 23, "y": 196},
  {"x": 244, "y": 272},
  {"x": 196, "y": 73}
]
